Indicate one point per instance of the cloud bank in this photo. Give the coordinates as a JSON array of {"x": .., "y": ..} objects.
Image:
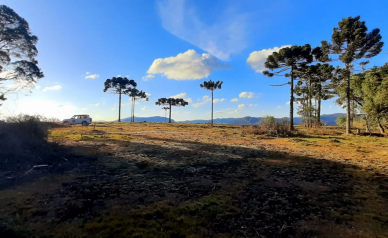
[
  {"x": 186, "y": 66},
  {"x": 257, "y": 58},
  {"x": 55, "y": 87}
]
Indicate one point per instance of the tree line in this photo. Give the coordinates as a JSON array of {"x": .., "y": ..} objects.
[{"x": 316, "y": 79}]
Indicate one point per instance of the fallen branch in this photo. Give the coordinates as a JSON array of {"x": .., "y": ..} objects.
[{"x": 34, "y": 167}]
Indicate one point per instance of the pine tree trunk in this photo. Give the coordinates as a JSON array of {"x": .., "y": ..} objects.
[
  {"x": 319, "y": 110},
  {"x": 212, "y": 107},
  {"x": 131, "y": 108},
  {"x": 310, "y": 105},
  {"x": 134, "y": 104},
  {"x": 319, "y": 102},
  {"x": 292, "y": 100},
  {"x": 367, "y": 130},
  {"x": 348, "y": 116},
  {"x": 169, "y": 120},
  {"x": 380, "y": 126},
  {"x": 120, "y": 105}
]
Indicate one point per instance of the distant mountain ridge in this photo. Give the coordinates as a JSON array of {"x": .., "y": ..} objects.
[
  {"x": 147, "y": 119},
  {"x": 328, "y": 119}
]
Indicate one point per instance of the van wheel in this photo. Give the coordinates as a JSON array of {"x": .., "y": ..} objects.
[{"x": 84, "y": 123}]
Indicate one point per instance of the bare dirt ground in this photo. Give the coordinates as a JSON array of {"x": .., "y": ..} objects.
[{"x": 190, "y": 180}]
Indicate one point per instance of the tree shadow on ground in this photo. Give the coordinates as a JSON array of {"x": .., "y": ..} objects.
[{"x": 272, "y": 194}]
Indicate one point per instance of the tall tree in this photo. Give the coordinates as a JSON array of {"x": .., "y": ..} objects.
[
  {"x": 165, "y": 113},
  {"x": 211, "y": 86},
  {"x": 17, "y": 52},
  {"x": 135, "y": 94},
  {"x": 176, "y": 102},
  {"x": 119, "y": 86},
  {"x": 375, "y": 94},
  {"x": 352, "y": 42},
  {"x": 289, "y": 59}
]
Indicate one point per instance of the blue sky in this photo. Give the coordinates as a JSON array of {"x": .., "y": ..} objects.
[{"x": 169, "y": 47}]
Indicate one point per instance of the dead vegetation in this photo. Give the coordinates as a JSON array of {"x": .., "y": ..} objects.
[{"x": 191, "y": 180}]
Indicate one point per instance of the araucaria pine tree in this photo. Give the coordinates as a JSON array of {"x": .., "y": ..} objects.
[
  {"x": 211, "y": 86},
  {"x": 352, "y": 42},
  {"x": 135, "y": 94},
  {"x": 286, "y": 60},
  {"x": 176, "y": 102},
  {"x": 119, "y": 86}
]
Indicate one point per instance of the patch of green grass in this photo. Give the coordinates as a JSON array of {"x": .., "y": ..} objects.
[{"x": 190, "y": 219}]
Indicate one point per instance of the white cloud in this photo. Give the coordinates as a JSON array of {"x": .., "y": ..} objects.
[
  {"x": 97, "y": 104},
  {"x": 234, "y": 100},
  {"x": 37, "y": 87},
  {"x": 205, "y": 100},
  {"x": 257, "y": 58},
  {"x": 182, "y": 95},
  {"x": 119, "y": 75},
  {"x": 93, "y": 76},
  {"x": 144, "y": 108},
  {"x": 113, "y": 108},
  {"x": 84, "y": 109},
  {"x": 249, "y": 95},
  {"x": 227, "y": 35},
  {"x": 87, "y": 72},
  {"x": 46, "y": 108},
  {"x": 148, "y": 95},
  {"x": 279, "y": 107},
  {"x": 218, "y": 100},
  {"x": 295, "y": 103},
  {"x": 148, "y": 77},
  {"x": 229, "y": 111},
  {"x": 55, "y": 87},
  {"x": 241, "y": 106},
  {"x": 186, "y": 66}
]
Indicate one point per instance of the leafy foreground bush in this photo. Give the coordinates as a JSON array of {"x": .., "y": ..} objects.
[
  {"x": 24, "y": 141},
  {"x": 271, "y": 127}
]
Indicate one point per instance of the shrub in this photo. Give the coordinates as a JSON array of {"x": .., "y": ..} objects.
[
  {"x": 271, "y": 127},
  {"x": 341, "y": 121},
  {"x": 24, "y": 141}
]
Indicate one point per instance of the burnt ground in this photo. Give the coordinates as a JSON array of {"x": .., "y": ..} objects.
[{"x": 169, "y": 187}]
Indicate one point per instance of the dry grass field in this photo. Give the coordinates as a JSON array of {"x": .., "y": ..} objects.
[{"x": 191, "y": 180}]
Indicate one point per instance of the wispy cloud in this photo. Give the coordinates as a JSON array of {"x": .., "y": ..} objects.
[
  {"x": 234, "y": 100},
  {"x": 182, "y": 95},
  {"x": 206, "y": 99},
  {"x": 218, "y": 100},
  {"x": 186, "y": 66},
  {"x": 257, "y": 58},
  {"x": 93, "y": 76},
  {"x": 144, "y": 108},
  {"x": 97, "y": 104},
  {"x": 148, "y": 77},
  {"x": 249, "y": 95},
  {"x": 55, "y": 87},
  {"x": 225, "y": 36}
]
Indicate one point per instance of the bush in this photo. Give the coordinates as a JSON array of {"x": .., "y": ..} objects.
[
  {"x": 23, "y": 141},
  {"x": 271, "y": 127},
  {"x": 341, "y": 121}
]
